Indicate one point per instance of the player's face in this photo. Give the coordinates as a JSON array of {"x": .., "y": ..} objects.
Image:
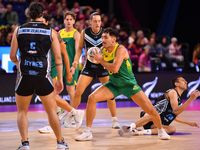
[
  {"x": 182, "y": 83},
  {"x": 96, "y": 22},
  {"x": 69, "y": 21},
  {"x": 107, "y": 40}
]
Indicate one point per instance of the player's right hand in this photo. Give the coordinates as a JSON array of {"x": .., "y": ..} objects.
[
  {"x": 194, "y": 95},
  {"x": 69, "y": 77},
  {"x": 75, "y": 64},
  {"x": 59, "y": 86}
]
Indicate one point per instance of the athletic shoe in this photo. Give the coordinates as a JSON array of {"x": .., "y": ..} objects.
[
  {"x": 136, "y": 132},
  {"x": 163, "y": 135},
  {"x": 61, "y": 114},
  {"x": 85, "y": 136},
  {"x": 124, "y": 130},
  {"x": 62, "y": 145},
  {"x": 45, "y": 130},
  {"x": 115, "y": 124},
  {"x": 79, "y": 118},
  {"x": 24, "y": 146},
  {"x": 69, "y": 122}
]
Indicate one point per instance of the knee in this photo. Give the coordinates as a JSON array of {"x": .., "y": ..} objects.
[
  {"x": 77, "y": 93},
  {"x": 172, "y": 130},
  {"x": 91, "y": 99}
]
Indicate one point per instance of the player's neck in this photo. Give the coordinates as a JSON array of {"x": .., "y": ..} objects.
[
  {"x": 179, "y": 90},
  {"x": 95, "y": 30},
  {"x": 111, "y": 48},
  {"x": 69, "y": 29}
]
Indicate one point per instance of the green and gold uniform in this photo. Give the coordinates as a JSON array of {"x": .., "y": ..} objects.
[
  {"x": 68, "y": 38},
  {"x": 122, "y": 82}
]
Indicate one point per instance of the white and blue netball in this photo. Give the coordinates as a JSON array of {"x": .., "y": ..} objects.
[{"x": 90, "y": 52}]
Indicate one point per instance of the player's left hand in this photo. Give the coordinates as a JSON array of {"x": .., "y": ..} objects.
[
  {"x": 194, "y": 95},
  {"x": 193, "y": 124},
  {"x": 97, "y": 56}
]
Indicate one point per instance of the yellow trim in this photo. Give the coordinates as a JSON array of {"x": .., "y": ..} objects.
[
  {"x": 64, "y": 34},
  {"x": 109, "y": 56}
]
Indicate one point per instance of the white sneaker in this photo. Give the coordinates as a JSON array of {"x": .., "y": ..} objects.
[
  {"x": 163, "y": 135},
  {"x": 115, "y": 124},
  {"x": 62, "y": 145},
  {"x": 85, "y": 136},
  {"x": 136, "y": 132},
  {"x": 61, "y": 114},
  {"x": 69, "y": 122},
  {"x": 45, "y": 130},
  {"x": 24, "y": 146},
  {"x": 79, "y": 118},
  {"x": 124, "y": 130}
]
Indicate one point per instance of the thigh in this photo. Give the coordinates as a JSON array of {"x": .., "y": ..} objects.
[
  {"x": 104, "y": 79},
  {"x": 23, "y": 102},
  {"x": 102, "y": 90},
  {"x": 48, "y": 101},
  {"x": 83, "y": 82},
  {"x": 143, "y": 101}
]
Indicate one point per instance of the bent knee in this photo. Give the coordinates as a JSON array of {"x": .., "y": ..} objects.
[
  {"x": 91, "y": 98},
  {"x": 172, "y": 130}
]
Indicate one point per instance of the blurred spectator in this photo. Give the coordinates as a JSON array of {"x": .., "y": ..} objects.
[
  {"x": 114, "y": 24},
  {"x": 196, "y": 54},
  {"x": 10, "y": 16},
  {"x": 59, "y": 18},
  {"x": 64, "y": 7},
  {"x": 45, "y": 4},
  {"x": 153, "y": 35},
  {"x": 98, "y": 10},
  {"x": 77, "y": 7},
  {"x": 3, "y": 34},
  {"x": 87, "y": 14},
  {"x": 1, "y": 69},
  {"x": 105, "y": 22},
  {"x": 162, "y": 47},
  {"x": 2, "y": 8},
  {"x": 8, "y": 39},
  {"x": 78, "y": 26},
  {"x": 52, "y": 6},
  {"x": 144, "y": 60},
  {"x": 174, "y": 53},
  {"x": 140, "y": 36},
  {"x": 131, "y": 39}
]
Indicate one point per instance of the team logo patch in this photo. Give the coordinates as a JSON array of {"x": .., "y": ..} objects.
[{"x": 135, "y": 87}]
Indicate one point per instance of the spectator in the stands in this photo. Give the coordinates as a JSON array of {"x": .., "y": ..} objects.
[
  {"x": 196, "y": 54},
  {"x": 140, "y": 36},
  {"x": 52, "y": 6},
  {"x": 105, "y": 21},
  {"x": 1, "y": 69},
  {"x": 10, "y": 16},
  {"x": 77, "y": 7},
  {"x": 3, "y": 34},
  {"x": 7, "y": 42},
  {"x": 2, "y": 8},
  {"x": 64, "y": 7},
  {"x": 163, "y": 48},
  {"x": 45, "y": 4},
  {"x": 144, "y": 64},
  {"x": 58, "y": 18},
  {"x": 174, "y": 51}
]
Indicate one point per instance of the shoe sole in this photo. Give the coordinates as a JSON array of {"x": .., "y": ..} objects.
[
  {"x": 163, "y": 138},
  {"x": 45, "y": 132},
  {"x": 120, "y": 132},
  {"x": 88, "y": 139}
]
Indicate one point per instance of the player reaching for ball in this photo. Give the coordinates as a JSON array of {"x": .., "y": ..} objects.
[
  {"x": 122, "y": 81},
  {"x": 90, "y": 52},
  {"x": 91, "y": 37}
]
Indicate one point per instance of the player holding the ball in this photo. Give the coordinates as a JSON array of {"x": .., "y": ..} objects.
[
  {"x": 91, "y": 37},
  {"x": 121, "y": 81}
]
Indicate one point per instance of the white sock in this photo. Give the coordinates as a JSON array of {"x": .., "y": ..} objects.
[
  {"x": 161, "y": 130},
  {"x": 88, "y": 129},
  {"x": 73, "y": 112},
  {"x": 147, "y": 131},
  {"x": 114, "y": 118},
  {"x": 133, "y": 126}
]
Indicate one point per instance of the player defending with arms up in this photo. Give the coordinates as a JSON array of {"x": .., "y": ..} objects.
[{"x": 121, "y": 81}]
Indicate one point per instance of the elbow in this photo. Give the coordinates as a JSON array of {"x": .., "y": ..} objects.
[
  {"x": 115, "y": 70},
  {"x": 12, "y": 58}
]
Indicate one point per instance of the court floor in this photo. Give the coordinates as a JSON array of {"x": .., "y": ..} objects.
[{"x": 104, "y": 137}]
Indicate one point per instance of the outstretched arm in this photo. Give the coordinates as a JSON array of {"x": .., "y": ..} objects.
[
  {"x": 180, "y": 120},
  {"x": 174, "y": 103}
]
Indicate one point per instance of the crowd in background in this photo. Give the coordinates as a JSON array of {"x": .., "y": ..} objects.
[{"x": 147, "y": 52}]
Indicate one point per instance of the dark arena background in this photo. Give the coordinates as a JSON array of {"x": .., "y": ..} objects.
[{"x": 165, "y": 18}]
